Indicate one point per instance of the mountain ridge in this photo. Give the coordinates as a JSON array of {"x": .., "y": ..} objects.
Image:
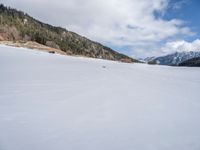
[{"x": 173, "y": 59}]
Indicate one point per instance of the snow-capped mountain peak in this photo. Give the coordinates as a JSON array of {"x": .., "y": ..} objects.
[{"x": 175, "y": 58}]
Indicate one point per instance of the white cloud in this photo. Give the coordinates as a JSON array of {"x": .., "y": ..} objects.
[
  {"x": 179, "y": 4},
  {"x": 121, "y": 23},
  {"x": 167, "y": 48},
  {"x": 180, "y": 46}
]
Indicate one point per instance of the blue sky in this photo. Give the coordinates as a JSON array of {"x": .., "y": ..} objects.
[
  {"x": 189, "y": 11},
  {"x": 138, "y": 28}
]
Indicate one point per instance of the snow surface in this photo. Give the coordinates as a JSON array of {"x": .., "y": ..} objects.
[{"x": 53, "y": 102}]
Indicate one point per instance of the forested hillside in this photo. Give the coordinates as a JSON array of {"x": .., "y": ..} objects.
[
  {"x": 194, "y": 62},
  {"x": 18, "y": 26}
]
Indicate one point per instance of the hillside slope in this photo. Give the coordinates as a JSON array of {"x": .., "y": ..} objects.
[
  {"x": 194, "y": 62},
  {"x": 17, "y": 25},
  {"x": 55, "y": 102}
]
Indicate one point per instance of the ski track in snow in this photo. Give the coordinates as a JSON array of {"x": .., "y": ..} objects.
[{"x": 53, "y": 102}]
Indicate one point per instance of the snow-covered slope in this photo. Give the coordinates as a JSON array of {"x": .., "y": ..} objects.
[
  {"x": 174, "y": 59},
  {"x": 52, "y": 102}
]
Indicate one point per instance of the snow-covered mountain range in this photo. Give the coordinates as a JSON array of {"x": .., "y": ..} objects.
[{"x": 173, "y": 59}]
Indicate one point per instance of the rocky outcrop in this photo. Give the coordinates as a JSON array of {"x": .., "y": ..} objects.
[{"x": 9, "y": 33}]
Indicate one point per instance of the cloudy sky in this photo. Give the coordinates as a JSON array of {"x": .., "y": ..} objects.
[{"x": 138, "y": 28}]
